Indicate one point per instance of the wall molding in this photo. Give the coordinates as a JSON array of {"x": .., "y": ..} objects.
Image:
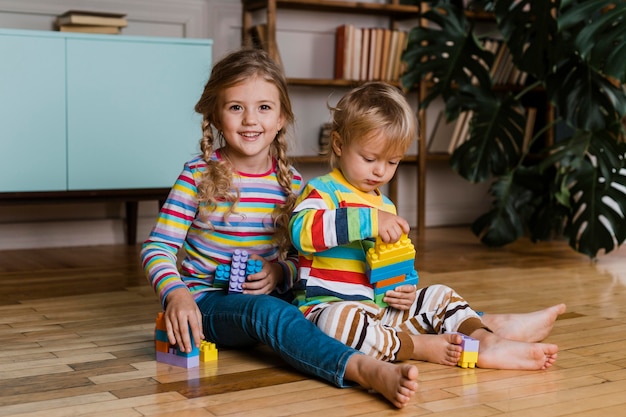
[{"x": 191, "y": 15}]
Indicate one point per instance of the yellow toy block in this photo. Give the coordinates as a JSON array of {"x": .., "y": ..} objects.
[
  {"x": 468, "y": 359},
  {"x": 385, "y": 254},
  {"x": 402, "y": 246},
  {"x": 208, "y": 351}
]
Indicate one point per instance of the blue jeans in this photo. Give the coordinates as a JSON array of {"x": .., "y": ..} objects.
[{"x": 239, "y": 320}]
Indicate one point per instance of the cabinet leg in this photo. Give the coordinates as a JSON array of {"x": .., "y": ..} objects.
[{"x": 131, "y": 222}]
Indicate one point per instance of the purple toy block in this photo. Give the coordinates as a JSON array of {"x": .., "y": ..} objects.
[
  {"x": 238, "y": 267},
  {"x": 182, "y": 361}
]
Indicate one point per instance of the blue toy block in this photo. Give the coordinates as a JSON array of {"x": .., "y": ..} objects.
[
  {"x": 233, "y": 275},
  {"x": 411, "y": 279},
  {"x": 221, "y": 276},
  {"x": 385, "y": 272}
]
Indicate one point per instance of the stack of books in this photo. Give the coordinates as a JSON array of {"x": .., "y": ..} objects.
[
  {"x": 364, "y": 54},
  {"x": 91, "y": 22}
]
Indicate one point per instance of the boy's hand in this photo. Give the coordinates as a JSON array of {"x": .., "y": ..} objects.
[
  {"x": 402, "y": 297},
  {"x": 264, "y": 281},
  {"x": 182, "y": 315},
  {"x": 391, "y": 227}
]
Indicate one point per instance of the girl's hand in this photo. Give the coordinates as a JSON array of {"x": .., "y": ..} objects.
[
  {"x": 182, "y": 315},
  {"x": 391, "y": 227},
  {"x": 264, "y": 281},
  {"x": 402, "y": 297}
]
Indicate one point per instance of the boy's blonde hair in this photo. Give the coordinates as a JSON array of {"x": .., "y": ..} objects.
[
  {"x": 233, "y": 69},
  {"x": 374, "y": 107}
]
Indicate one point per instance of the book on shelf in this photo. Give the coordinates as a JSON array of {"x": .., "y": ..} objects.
[
  {"x": 344, "y": 45},
  {"x": 372, "y": 54},
  {"x": 393, "y": 47},
  {"x": 459, "y": 130},
  {"x": 384, "y": 56},
  {"x": 90, "y": 18},
  {"x": 398, "y": 67},
  {"x": 365, "y": 49},
  {"x": 355, "y": 48},
  {"x": 378, "y": 52},
  {"x": 108, "y": 30},
  {"x": 529, "y": 130},
  {"x": 258, "y": 35},
  {"x": 368, "y": 53},
  {"x": 464, "y": 134},
  {"x": 442, "y": 133}
]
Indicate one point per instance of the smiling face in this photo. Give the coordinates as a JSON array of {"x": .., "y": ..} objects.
[
  {"x": 367, "y": 164},
  {"x": 250, "y": 117}
]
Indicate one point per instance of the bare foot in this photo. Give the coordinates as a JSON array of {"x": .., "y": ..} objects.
[
  {"x": 444, "y": 349},
  {"x": 496, "y": 352},
  {"x": 397, "y": 383},
  {"x": 526, "y": 327}
]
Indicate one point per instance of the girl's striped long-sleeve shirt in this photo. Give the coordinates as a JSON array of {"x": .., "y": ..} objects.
[
  {"x": 179, "y": 224},
  {"x": 332, "y": 227}
]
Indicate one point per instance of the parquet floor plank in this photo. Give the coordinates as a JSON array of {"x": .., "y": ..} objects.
[{"x": 76, "y": 338}]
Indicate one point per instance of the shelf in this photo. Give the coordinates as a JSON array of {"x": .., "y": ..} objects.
[
  {"x": 391, "y": 9},
  {"x": 314, "y": 159},
  {"x": 396, "y": 11},
  {"x": 331, "y": 82}
]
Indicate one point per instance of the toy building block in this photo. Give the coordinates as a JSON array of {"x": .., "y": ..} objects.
[
  {"x": 469, "y": 355},
  {"x": 389, "y": 265},
  {"x": 384, "y": 254},
  {"x": 392, "y": 283},
  {"x": 208, "y": 351},
  {"x": 221, "y": 276},
  {"x": 237, "y": 271},
  {"x": 234, "y": 275},
  {"x": 170, "y": 354}
]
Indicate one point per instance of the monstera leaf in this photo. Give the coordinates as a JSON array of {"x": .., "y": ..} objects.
[
  {"x": 529, "y": 30},
  {"x": 444, "y": 54},
  {"x": 575, "y": 54},
  {"x": 506, "y": 220},
  {"x": 593, "y": 170},
  {"x": 585, "y": 98},
  {"x": 600, "y": 33},
  {"x": 497, "y": 132}
]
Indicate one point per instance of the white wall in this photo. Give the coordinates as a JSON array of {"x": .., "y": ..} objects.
[{"x": 306, "y": 42}]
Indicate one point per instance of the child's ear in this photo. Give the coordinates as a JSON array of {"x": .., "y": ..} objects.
[{"x": 336, "y": 142}]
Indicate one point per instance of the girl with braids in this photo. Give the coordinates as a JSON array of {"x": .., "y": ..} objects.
[{"x": 239, "y": 194}]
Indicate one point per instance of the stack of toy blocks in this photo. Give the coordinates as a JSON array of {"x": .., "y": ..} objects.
[
  {"x": 390, "y": 265},
  {"x": 234, "y": 275},
  {"x": 170, "y": 354},
  {"x": 469, "y": 355}
]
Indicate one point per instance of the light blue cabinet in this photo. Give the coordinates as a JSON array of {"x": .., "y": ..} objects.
[
  {"x": 32, "y": 113},
  {"x": 97, "y": 112}
]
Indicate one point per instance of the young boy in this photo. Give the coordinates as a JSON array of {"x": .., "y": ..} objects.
[{"x": 336, "y": 217}]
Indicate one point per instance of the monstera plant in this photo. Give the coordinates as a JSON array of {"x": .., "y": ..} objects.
[{"x": 574, "y": 52}]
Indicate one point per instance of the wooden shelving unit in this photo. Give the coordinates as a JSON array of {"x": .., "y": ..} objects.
[{"x": 392, "y": 10}]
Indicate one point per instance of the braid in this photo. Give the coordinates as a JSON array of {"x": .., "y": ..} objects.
[
  {"x": 282, "y": 212},
  {"x": 216, "y": 180}
]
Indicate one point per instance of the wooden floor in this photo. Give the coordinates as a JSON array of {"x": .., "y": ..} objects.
[{"x": 76, "y": 339}]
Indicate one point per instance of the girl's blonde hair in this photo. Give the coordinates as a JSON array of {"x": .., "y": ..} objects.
[
  {"x": 216, "y": 182},
  {"x": 374, "y": 107}
]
